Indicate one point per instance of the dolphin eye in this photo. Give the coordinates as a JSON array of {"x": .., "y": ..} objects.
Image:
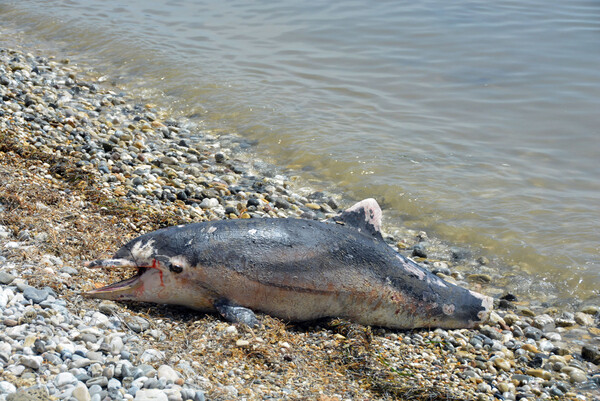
[
  {"x": 166, "y": 261},
  {"x": 175, "y": 268}
]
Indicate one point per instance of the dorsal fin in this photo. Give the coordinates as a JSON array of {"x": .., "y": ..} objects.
[{"x": 365, "y": 216}]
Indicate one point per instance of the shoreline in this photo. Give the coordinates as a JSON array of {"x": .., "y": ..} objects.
[{"x": 84, "y": 168}]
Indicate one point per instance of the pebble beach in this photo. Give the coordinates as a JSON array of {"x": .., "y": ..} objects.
[{"x": 86, "y": 166}]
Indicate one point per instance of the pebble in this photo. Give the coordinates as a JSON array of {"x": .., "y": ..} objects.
[
  {"x": 65, "y": 378},
  {"x": 591, "y": 353},
  {"x": 167, "y": 372},
  {"x": 151, "y": 395},
  {"x": 541, "y": 373},
  {"x": 584, "y": 319},
  {"x": 502, "y": 363},
  {"x": 35, "y": 295},
  {"x": 81, "y": 392},
  {"x": 6, "y": 278},
  {"x": 152, "y": 355}
]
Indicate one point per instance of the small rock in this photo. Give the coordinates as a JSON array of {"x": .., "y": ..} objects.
[
  {"x": 530, "y": 348},
  {"x": 502, "y": 363},
  {"x": 209, "y": 203},
  {"x": 231, "y": 330},
  {"x": 81, "y": 392},
  {"x": 282, "y": 203},
  {"x": 7, "y": 387},
  {"x": 484, "y": 387},
  {"x": 64, "y": 379},
  {"x": 577, "y": 376},
  {"x": 591, "y": 310},
  {"x": 584, "y": 319},
  {"x": 419, "y": 251},
  {"x": 541, "y": 373},
  {"x": 151, "y": 395},
  {"x": 116, "y": 345},
  {"x": 591, "y": 353},
  {"x": 6, "y": 278},
  {"x": 69, "y": 270},
  {"x": 33, "y": 362},
  {"x": 532, "y": 332},
  {"x": 479, "y": 278},
  {"x": 482, "y": 260},
  {"x": 151, "y": 355},
  {"x": 543, "y": 322},
  {"x": 460, "y": 253},
  {"x": 167, "y": 372},
  {"x": 35, "y": 295}
]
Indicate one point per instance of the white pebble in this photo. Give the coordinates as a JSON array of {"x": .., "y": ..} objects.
[
  {"x": 3, "y": 299},
  {"x": 116, "y": 345},
  {"x": 81, "y": 392},
  {"x": 64, "y": 379},
  {"x": 151, "y": 355},
  {"x": 7, "y": 387},
  {"x": 151, "y": 395},
  {"x": 209, "y": 203},
  {"x": 100, "y": 319},
  {"x": 231, "y": 330},
  {"x": 167, "y": 372},
  {"x": 33, "y": 362}
]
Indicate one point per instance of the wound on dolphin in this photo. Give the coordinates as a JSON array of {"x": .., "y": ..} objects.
[{"x": 293, "y": 269}]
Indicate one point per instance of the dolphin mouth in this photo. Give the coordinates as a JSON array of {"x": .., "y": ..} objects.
[
  {"x": 128, "y": 283},
  {"x": 120, "y": 288}
]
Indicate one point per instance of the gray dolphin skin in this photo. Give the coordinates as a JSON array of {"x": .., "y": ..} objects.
[{"x": 293, "y": 269}]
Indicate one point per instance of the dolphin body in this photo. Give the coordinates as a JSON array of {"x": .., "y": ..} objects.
[{"x": 294, "y": 269}]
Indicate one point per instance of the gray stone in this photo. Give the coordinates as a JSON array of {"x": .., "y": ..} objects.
[
  {"x": 591, "y": 353},
  {"x": 69, "y": 270},
  {"x": 532, "y": 332},
  {"x": 113, "y": 384},
  {"x": 419, "y": 251},
  {"x": 35, "y": 295},
  {"x": 282, "y": 203},
  {"x": 6, "y": 278},
  {"x": 151, "y": 383},
  {"x": 95, "y": 389}
]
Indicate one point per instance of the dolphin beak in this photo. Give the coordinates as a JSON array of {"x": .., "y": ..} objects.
[{"x": 122, "y": 290}]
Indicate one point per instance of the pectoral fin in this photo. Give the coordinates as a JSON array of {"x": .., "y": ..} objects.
[{"x": 235, "y": 313}]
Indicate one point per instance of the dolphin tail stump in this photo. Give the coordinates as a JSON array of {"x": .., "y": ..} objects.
[{"x": 294, "y": 269}]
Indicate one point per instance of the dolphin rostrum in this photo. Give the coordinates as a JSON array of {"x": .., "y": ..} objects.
[{"x": 294, "y": 269}]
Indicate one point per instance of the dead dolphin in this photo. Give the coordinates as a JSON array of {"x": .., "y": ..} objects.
[{"x": 294, "y": 269}]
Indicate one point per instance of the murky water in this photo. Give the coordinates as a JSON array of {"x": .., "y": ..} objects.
[{"x": 477, "y": 121}]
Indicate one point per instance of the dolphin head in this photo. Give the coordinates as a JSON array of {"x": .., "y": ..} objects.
[{"x": 163, "y": 272}]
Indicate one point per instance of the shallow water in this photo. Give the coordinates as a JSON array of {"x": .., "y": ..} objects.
[{"x": 475, "y": 121}]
